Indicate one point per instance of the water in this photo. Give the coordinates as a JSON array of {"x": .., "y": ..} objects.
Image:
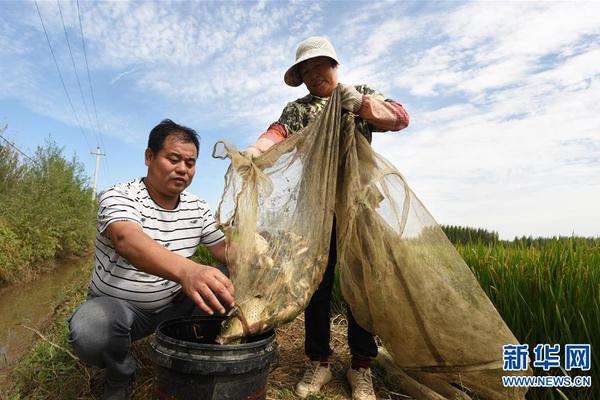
[{"x": 31, "y": 304}]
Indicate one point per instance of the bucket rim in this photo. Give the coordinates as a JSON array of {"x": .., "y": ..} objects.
[{"x": 269, "y": 336}]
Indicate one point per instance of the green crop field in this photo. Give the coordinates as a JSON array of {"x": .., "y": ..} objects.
[{"x": 547, "y": 291}]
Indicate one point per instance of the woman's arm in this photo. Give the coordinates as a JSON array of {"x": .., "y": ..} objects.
[
  {"x": 372, "y": 106},
  {"x": 386, "y": 115},
  {"x": 275, "y": 134},
  {"x": 290, "y": 121}
]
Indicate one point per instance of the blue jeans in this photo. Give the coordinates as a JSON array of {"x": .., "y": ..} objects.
[{"x": 102, "y": 329}]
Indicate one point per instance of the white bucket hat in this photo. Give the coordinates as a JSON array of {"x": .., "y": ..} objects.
[{"x": 314, "y": 46}]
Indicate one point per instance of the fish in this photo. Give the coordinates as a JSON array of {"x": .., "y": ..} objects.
[{"x": 244, "y": 320}]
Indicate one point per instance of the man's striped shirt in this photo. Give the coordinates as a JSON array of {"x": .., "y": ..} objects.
[{"x": 180, "y": 230}]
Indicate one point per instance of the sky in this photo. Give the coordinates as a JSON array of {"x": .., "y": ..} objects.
[{"x": 504, "y": 97}]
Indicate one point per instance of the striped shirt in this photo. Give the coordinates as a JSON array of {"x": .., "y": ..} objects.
[{"x": 180, "y": 230}]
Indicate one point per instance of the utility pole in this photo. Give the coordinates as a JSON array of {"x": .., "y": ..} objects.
[{"x": 97, "y": 154}]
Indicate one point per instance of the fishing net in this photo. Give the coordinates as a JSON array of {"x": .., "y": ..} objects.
[{"x": 402, "y": 278}]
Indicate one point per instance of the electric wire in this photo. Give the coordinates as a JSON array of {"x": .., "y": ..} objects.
[
  {"x": 17, "y": 149},
  {"x": 89, "y": 76},
  {"x": 87, "y": 67},
  {"x": 62, "y": 20},
  {"x": 60, "y": 75}
]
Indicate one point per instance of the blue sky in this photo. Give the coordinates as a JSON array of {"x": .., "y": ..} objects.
[{"x": 504, "y": 97}]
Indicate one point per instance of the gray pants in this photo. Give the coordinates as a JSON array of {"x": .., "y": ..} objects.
[{"x": 103, "y": 328}]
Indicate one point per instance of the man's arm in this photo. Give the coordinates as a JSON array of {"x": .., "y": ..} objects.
[
  {"x": 200, "y": 282},
  {"x": 218, "y": 252}
]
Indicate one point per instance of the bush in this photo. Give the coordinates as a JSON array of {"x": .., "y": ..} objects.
[{"x": 46, "y": 210}]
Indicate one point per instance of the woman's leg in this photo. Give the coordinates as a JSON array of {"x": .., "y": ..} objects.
[
  {"x": 317, "y": 324},
  {"x": 362, "y": 343}
]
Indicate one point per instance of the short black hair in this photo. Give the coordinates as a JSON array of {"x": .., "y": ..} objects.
[{"x": 166, "y": 127}]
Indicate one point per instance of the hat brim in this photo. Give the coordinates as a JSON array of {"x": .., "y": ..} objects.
[{"x": 292, "y": 75}]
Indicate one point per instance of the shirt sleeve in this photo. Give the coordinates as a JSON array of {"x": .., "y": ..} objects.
[
  {"x": 381, "y": 113},
  {"x": 276, "y": 133},
  {"x": 116, "y": 205},
  {"x": 291, "y": 118},
  {"x": 211, "y": 234}
]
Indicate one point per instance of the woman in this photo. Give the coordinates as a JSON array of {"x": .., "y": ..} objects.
[{"x": 316, "y": 66}]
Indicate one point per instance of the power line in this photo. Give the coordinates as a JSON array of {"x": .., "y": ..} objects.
[
  {"x": 87, "y": 67},
  {"x": 17, "y": 149},
  {"x": 62, "y": 20},
  {"x": 60, "y": 74},
  {"x": 89, "y": 76}
]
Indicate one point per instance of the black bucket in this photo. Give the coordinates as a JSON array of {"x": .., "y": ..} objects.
[{"x": 190, "y": 365}]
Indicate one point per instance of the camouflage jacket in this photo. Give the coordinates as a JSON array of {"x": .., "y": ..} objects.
[{"x": 299, "y": 113}]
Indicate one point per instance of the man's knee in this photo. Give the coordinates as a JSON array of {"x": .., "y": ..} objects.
[{"x": 97, "y": 326}]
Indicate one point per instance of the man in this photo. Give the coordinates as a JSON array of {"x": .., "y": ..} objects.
[{"x": 146, "y": 231}]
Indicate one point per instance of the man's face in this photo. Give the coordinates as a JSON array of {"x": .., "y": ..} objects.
[
  {"x": 319, "y": 76},
  {"x": 173, "y": 168}
]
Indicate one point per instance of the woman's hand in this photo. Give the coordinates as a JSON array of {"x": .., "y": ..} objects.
[
  {"x": 252, "y": 152},
  {"x": 351, "y": 98}
]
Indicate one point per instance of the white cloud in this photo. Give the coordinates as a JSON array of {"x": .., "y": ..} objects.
[{"x": 504, "y": 96}]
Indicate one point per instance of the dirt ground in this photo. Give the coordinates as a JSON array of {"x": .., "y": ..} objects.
[{"x": 292, "y": 360}]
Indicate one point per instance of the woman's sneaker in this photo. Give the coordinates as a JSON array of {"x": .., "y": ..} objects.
[
  {"x": 361, "y": 383},
  {"x": 315, "y": 376}
]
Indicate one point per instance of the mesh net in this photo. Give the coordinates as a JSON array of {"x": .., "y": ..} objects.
[{"x": 403, "y": 279}]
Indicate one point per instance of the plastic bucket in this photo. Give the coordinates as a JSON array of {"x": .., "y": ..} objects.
[{"x": 190, "y": 365}]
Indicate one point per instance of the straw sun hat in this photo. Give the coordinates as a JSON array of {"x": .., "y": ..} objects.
[{"x": 314, "y": 46}]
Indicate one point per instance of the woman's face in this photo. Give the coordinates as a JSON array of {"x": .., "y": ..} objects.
[{"x": 319, "y": 76}]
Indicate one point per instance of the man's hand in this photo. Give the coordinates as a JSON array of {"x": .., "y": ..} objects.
[
  {"x": 205, "y": 286},
  {"x": 351, "y": 98},
  {"x": 201, "y": 283}
]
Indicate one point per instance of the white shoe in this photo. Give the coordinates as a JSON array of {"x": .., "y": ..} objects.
[
  {"x": 361, "y": 384},
  {"x": 314, "y": 377}
]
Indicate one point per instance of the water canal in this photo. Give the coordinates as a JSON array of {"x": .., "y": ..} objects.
[{"x": 31, "y": 304}]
